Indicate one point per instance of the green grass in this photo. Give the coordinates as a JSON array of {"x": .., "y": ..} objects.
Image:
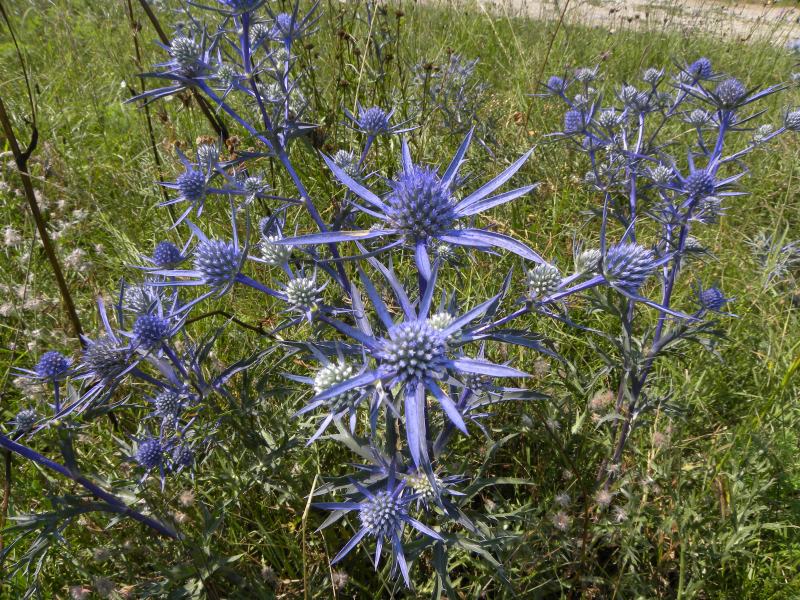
[{"x": 712, "y": 511}]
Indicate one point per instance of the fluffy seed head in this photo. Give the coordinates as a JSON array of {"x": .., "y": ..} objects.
[
  {"x": 192, "y": 185},
  {"x": 420, "y": 204},
  {"x": 302, "y": 293},
  {"x": 373, "y": 121},
  {"x": 167, "y": 404},
  {"x": 52, "y": 365},
  {"x": 186, "y": 54},
  {"x": 700, "y": 184},
  {"x": 415, "y": 351},
  {"x": 167, "y": 254},
  {"x": 561, "y": 521},
  {"x": 218, "y": 262},
  {"x": 150, "y": 330},
  {"x": 730, "y": 91},
  {"x": 382, "y": 515},
  {"x": 275, "y": 254},
  {"x": 333, "y": 374},
  {"x": 149, "y": 454},
  {"x": 563, "y": 499},
  {"x": 543, "y": 280},
  {"x": 627, "y": 265},
  {"x": 792, "y": 120},
  {"x": 26, "y": 419}
]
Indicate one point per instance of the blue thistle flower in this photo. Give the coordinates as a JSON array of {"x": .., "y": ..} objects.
[
  {"x": 104, "y": 359},
  {"x": 413, "y": 355},
  {"x": 628, "y": 265},
  {"x": 167, "y": 404},
  {"x": 186, "y": 54},
  {"x": 543, "y": 280},
  {"x": 150, "y": 330},
  {"x": 421, "y": 210},
  {"x": 25, "y": 420},
  {"x": 556, "y": 85},
  {"x": 383, "y": 515},
  {"x": 712, "y": 299},
  {"x": 700, "y": 183},
  {"x": 375, "y": 121},
  {"x": 52, "y": 366},
  {"x": 182, "y": 457},
  {"x": 701, "y": 69},
  {"x": 574, "y": 121},
  {"x": 792, "y": 120},
  {"x": 217, "y": 262},
  {"x": 730, "y": 92},
  {"x": 167, "y": 255},
  {"x": 150, "y": 453}
]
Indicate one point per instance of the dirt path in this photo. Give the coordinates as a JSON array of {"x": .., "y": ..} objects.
[{"x": 747, "y": 22}]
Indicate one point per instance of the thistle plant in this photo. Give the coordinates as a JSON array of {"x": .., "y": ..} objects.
[
  {"x": 645, "y": 182},
  {"x": 387, "y": 361}
]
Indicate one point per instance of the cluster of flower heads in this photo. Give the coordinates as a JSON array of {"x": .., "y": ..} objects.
[{"x": 395, "y": 353}]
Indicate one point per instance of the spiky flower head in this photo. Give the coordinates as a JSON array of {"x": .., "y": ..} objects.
[
  {"x": 217, "y": 261},
  {"x": 347, "y": 162},
  {"x": 185, "y": 52},
  {"x": 382, "y": 514},
  {"x": 104, "y": 359},
  {"x": 586, "y": 74},
  {"x": 167, "y": 404},
  {"x": 730, "y": 91},
  {"x": 149, "y": 453},
  {"x": 275, "y": 254},
  {"x": 332, "y": 374},
  {"x": 419, "y": 483},
  {"x": 698, "y": 117},
  {"x": 588, "y": 261},
  {"x": 628, "y": 94},
  {"x": 652, "y": 75},
  {"x": 441, "y": 320},
  {"x": 608, "y": 118},
  {"x": 700, "y": 183},
  {"x": 253, "y": 186},
  {"x": 762, "y": 133},
  {"x": 227, "y": 75},
  {"x": 192, "y": 185},
  {"x": 139, "y": 299},
  {"x": 415, "y": 351},
  {"x": 543, "y": 280},
  {"x": 712, "y": 299},
  {"x": 167, "y": 254},
  {"x": 150, "y": 330},
  {"x": 207, "y": 154},
  {"x": 285, "y": 28},
  {"x": 556, "y": 84},
  {"x": 574, "y": 121},
  {"x": 792, "y": 120},
  {"x": 52, "y": 366},
  {"x": 182, "y": 457},
  {"x": 661, "y": 174},
  {"x": 628, "y": 265},
  {"x": 26, "y": 419},
  {"x": 420, "y": 204},
  {"x": 701, "y": 68},
  {"x": 373, "y": 121},
  {"x": 302, "y": 293}
]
